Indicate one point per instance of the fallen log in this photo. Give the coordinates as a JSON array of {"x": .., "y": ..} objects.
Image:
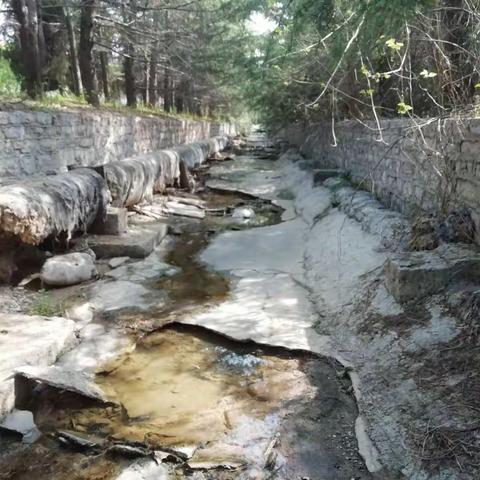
[{"x": 33, "y": 210}]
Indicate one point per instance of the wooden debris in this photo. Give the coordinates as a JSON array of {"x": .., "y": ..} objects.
[
  {"x": 270, "y": 454},
  {"x": 188, "y": 201},
  {"x": 180, "y": 209}
]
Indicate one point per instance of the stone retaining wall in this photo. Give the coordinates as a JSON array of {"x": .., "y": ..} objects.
[
  {"x": 434, "y": 167},
  {"x": 36, "y": 142}
]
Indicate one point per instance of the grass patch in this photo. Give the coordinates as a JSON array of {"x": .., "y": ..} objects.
[
  {"x": 55, "y": 100},
  {"x": 46, "y": 306}
]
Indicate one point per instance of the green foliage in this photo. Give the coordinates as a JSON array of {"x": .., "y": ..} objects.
[
  {"x": 9, "y": 83},
  {"x": 403, "y": 108},
  {"x": 394, "y": 45},
  {"x": 341, "y": 57}
]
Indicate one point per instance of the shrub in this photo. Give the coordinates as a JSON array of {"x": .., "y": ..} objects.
[{"x": 9, "y": 83}]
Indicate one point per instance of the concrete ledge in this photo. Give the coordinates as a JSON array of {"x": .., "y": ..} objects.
[
  {"x": 414, "y": 275},
  {"x": 392, "y": 227},
  {"x": 138, "y": 242}
]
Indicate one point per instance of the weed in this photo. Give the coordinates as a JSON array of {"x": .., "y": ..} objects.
[{"x": 46, "y": 306}]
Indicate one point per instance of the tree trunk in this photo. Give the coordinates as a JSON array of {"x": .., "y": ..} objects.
[
  {"x": 72, "y": 43},
  {"x": 167, "y": 77},
  {"x": 152, "y": 79},
  {"x": 167, "y": 91},
  {"x": 456, "y": 20},
  {"x": 146, "y": 79},
  {"x": 31, "y": 43},
  {"x": 179, "y": 98},
  {"x": 130, "y": 88},
  {"x": 104, "y": 74},
  {"x": 87, "y": 64}
]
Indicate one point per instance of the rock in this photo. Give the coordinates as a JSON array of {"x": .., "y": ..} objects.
[
  {"x": 366, "y": 448},
  {"x": 116, "y": 295},
  {"x": 129, "y": 451},
  {"x": 118, "y": 261},
  {"x": 218, "y": 455},
  {"x": 69, "y": 269},
  {"x": 392, "y": 227},
  {"x": 82, "y": 313},
  {"x": 458, "y": 227},
  {"x": 423, "y": 236},
  {"x": 31, "y": 340},
  {"x": 139, "y": 242},
  {"x": 145, "y": 470},
  {"x": 322, "y": 174},
  {"x": 415, "y": 275},
  {"x": 76, "y": 440},
  {"x": 62, "y": 379},
  {"x": 21, "y": 421},
  {"x": 243, "y": 212},
  {"x": 80, "y": 245},
  {"x": 150, "y": 268},
  {"x": 8, "y": 266}
]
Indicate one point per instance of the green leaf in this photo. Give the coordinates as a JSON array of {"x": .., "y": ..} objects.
[
  {"x": 367, "y": 92},
  {"x": 364, "y": 71},
  {"x": 393, "y": 44},
  {"x": 477, "y": 85},
  {"x": 426, "y": 74},
  {"x": 403, "y": 108}
]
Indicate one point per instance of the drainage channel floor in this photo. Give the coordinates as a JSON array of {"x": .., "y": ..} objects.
[{"x": 200, "y": 405}]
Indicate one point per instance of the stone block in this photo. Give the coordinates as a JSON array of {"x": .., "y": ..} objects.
[
  {"x": 13, "y": 133},
  {"x": 115, "y": 223},
  {"x": 138, "y": 242},
  {"x": 414, "y": 275}
]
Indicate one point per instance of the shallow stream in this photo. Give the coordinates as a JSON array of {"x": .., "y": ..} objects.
[{"x": 187, "y": 399}]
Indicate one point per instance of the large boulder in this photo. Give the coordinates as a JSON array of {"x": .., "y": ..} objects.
[{"x": 69, "y": 269}]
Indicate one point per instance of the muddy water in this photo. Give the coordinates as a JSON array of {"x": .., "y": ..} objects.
[
  {"x": 225, "y": 410},
  {"x": 236, "y": 411}
]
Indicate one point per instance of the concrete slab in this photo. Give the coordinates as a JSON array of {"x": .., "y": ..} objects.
[
  {"x": 29, "y": 340},
  {"x": 75, "y": 381},
  {"x": 138, "y": 242},
  {"x": 115, "y": 223}
]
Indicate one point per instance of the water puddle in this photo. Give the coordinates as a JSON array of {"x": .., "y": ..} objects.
[{"x": 223, "y": 407}]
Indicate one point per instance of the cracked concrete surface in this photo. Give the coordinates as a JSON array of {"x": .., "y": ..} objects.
[
  {"x": 282, "y": 281},
  {"x": 314, "y": 282}
]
